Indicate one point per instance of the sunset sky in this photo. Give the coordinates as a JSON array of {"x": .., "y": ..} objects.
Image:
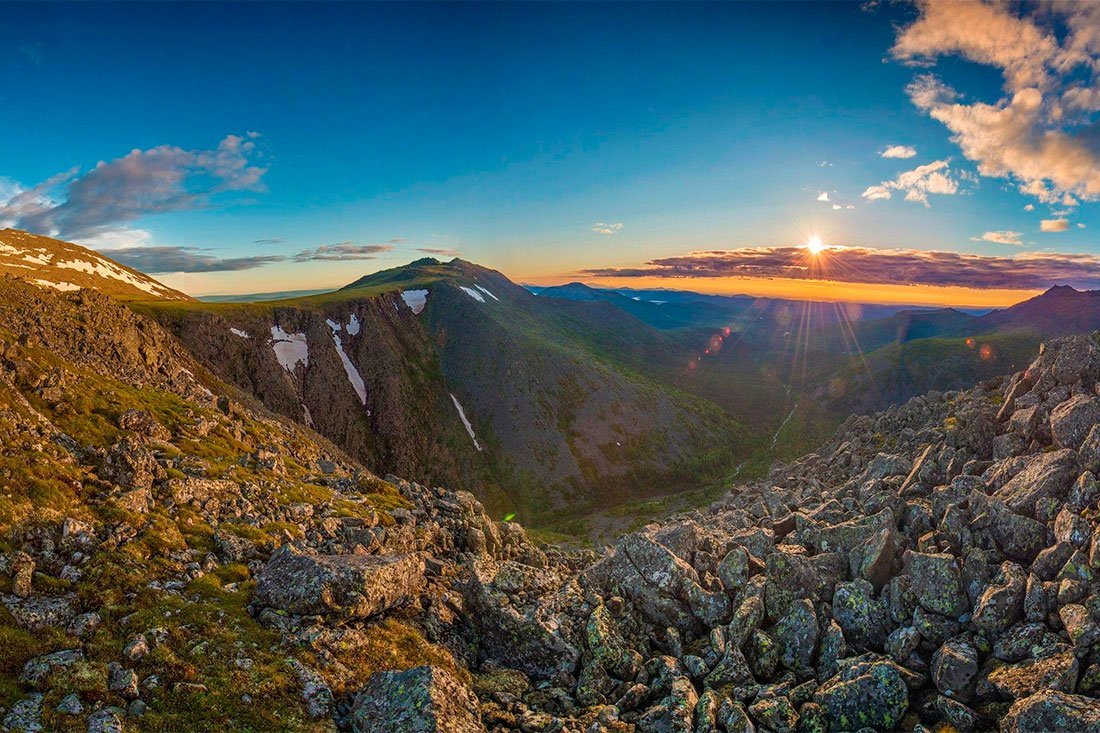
[{"x": 944, "y": 153}]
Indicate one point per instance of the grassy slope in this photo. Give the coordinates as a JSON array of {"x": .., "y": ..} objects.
[{"x": 206, "y": 625}]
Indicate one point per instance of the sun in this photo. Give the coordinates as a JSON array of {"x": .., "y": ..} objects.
[{"x": 815, "y": 245}]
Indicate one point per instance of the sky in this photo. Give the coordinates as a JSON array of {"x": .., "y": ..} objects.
[{"x": 943, "y": 153}]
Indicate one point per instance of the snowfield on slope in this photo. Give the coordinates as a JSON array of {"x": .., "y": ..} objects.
[
  {"x": 290, "y": 349},
  {"x": 415, "y": 299},
  {"x": 473, "y": 294},
  {"x": 353, "y": 374},
  {"x": 469, "y": 427}
]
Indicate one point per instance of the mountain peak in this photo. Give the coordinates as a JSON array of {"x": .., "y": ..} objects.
[{"x": 52, "y": 263}]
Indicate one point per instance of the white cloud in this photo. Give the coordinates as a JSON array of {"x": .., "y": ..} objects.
[
  {"x": 1080, "y": 225},
  {"x": 1040, "y": 133},
  {"x": 1029, "y": 207},
  {"x": 163, "y": 179},
  {"x": 607, "y": 229},
  {"x": 1053, "y": 225},
  {"x": 823, "y": 196},
  {"x": 876, "y": 193},
  {"x": 899, "y": 151},
  {"x": 932, "y": 178},
  {"x": 1001, "y": 237}
]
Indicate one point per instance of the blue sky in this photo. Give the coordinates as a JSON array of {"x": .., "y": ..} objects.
[{"x": 505, "y": 133}]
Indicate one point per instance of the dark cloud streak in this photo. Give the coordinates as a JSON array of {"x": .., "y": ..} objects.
[
  {"x": 342, "y": 251},
  {"x": 159, "y": 260},
  {"x": 875, "y": 266}
]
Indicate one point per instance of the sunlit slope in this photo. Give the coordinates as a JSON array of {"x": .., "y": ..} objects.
[{"x": 63, "y": 266}]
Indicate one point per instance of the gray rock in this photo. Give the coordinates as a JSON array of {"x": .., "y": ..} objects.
[
  {"x": 421, "y": 700},
  {"x": 1051, "y": 710},
  {"x": 1071, "y": 421},
  {"x": 954, "y": 666},
  {"x": 1046, "y": 475},
  {"x": 340, "y": 586},
  {"x": 1002, "y": 603},
  {"x": 937, "y": 583}
]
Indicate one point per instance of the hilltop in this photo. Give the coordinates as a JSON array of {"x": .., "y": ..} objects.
[{"x": 66, "y": 267}]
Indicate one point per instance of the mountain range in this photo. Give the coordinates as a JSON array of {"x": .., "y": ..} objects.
[{"x": 551, "y": 403}]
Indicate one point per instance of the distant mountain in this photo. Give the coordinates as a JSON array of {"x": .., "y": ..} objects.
[
  {"x": 449, "y": 373},
  {"x": 64, "y": 266},
  {"x": 1060, "y": 311}
]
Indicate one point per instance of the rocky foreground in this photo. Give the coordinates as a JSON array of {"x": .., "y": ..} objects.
[
  {"x": 177, "y": 558},
  {"x": 933, "y": 567}
]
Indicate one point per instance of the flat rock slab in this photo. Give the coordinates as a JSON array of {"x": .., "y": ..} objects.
[{"x": 342, "y": 586}]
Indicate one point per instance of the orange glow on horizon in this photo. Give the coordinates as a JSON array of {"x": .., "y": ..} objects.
[{"x": 819, "y": 290}]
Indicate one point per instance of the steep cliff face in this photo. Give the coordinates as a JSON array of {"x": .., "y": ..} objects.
[
  {"x": 362, "y": 372},
  {"x": 451, "y": 374}
]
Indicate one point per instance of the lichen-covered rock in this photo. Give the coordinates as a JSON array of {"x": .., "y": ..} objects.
[
  {"x": 342, "y": 586},
  {"x": 954, "y": 666},
  {"x": 421, "y": 700},
  {"x": 1002, "y": 603},
  {"x": 864, "y": 696},
  {"x": 1071, "y": 421},
  {"x": 796, "y": 634},
  {"x": 864, "y": 619},
  {"x": 1046, "y": 475},
  {"x": 937, "y": 583},
  {"x": 1056, "y": 672},
  {"x": 1051, "y": 710}
]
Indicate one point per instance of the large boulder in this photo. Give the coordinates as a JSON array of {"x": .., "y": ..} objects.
[
  {"x": 864, "y": 695},
  {"x": 660, "y": 584},
  {"x": 527, "y": 618},
  {"x": 1050, "y": 710},
  {"x": 340, "y": 586},
  {"x": 1071, "y": 421},
  {"x": 421, "y": 700},
  {"x": 938, "y": 583},
  {"x": 1046, "y": 475}
]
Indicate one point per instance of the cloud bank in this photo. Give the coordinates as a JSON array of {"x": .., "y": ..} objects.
[
  {"x": 1025, "y": 271},
  {"x": 1042, "y": 133},
  {"x": 76, "y": 205},
  {"x": 160, "y": 260}
]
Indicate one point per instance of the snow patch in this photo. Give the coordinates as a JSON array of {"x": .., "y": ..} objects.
[
  {"x": 353, "y": 325},
  {"x": 62, "y": 286},
  {"x": 238, "y": 332},
  {"x": 290, "y": 349},
  {"x": 462, "y": 416},
  {"x": 110, "y": 271},
  {"x": 486, "y": 291},
  {"x": 473, "y": 294},
  {"x": 354, "y": 377},
  {"x": 415, "y": 299}
]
